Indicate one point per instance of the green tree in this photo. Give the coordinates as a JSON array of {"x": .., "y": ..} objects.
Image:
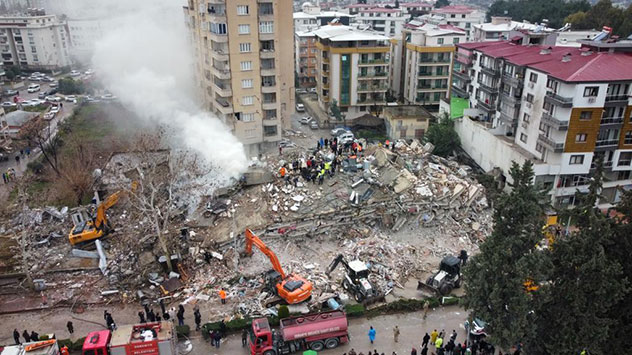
[
  {"x": 68, "y": 86},
  {"x": 537, "y": 10},
  {"x": 335, "y": 111},
  {"x": 584, "y": 283},
  {"x": 441, "y": 3},
  {"x": 495, "y": 277},
  {"x": 443, "y": 136},
  {"x": 284, "y": 312}
]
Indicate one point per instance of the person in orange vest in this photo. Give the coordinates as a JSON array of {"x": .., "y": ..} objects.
[
  {"x": 282, "y": 171},
  {"x": 222, "y": 296},
  {"x": 64, "y": 350}
]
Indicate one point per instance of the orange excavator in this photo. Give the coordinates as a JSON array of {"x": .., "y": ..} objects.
[
  {"x": 289, "y": 289},
  {"x": 89, "y": 228}
]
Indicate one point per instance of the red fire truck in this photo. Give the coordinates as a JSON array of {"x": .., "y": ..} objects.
[
  {"x": 314, "y": 331},
  {"x": 156, "y": 338}
]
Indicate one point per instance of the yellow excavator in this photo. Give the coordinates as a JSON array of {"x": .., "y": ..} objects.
[{"x": 90, "y": 228}]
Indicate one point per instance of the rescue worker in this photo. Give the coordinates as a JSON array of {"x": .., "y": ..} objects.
[
  {"x": 222, "y": 296},
  {"x": 282, "y": 171},
  {"x": 64, "y": 350}
]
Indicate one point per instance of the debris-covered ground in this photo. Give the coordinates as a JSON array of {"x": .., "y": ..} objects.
[{"x": 399, "y": 210}]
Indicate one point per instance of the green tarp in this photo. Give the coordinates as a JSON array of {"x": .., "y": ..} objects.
[{"x": 457, "y": 105}]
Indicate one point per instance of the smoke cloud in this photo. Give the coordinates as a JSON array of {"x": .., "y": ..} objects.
[{"x": 145, "y": 59}]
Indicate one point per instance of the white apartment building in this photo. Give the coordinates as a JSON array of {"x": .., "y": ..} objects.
[
  {"x": 39, "y": 42},
  {"x": 559, "y": 107},
  {"x": 386, "y": 18},
  {"x": 421, "y": 63},
  {"x": 311, "y": 17},
  {"x": 461, "y": 16},
  {"x": 244, "y": 60},
  {"x": 504, "y": 28},
  {"x": 84, "y": 34},
  {"x": 352, "y": 69}
]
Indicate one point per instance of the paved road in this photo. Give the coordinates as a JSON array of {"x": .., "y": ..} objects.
[{"x": 412, "y": 327}]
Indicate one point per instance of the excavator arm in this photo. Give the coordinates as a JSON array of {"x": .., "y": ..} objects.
[
  {"x": 101, "y": 219},
  {"x": 339, "y": 259},
  {"x": 251, "y": 239}
]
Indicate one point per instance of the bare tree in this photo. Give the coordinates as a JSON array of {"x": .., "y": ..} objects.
[{"x": 38, "y": 132}]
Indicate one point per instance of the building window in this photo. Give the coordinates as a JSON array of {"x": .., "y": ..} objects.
[
  {"x": 266, "y": 27},
  {"x": 247, "y": 117},
  {"x": 625, "y": 159},
  {"x": 539, "y": 148},
  {"x": 439, "y": 40},
  {"x": 246, "y": 66},
  {"x": 530, "y": 98},
  {"x": 526, "y": 117},
  {"x": 455, "y": 40},
  {"x": 245, "y": 47},
  {"x": 247, "y": 100},
  {"x": 580, "y": 138},
  {"x": 533, "y": 77},
  {"x": 585, "y": 115},
  {"x": 576, "y": 160},
  {"x": 244, "y": 29},
  {"x": 543, "y": 127},
  {"x": 246, "y": 84},
  {"x": 523, "y": 138},
  {"x": 242, "y": 9},
  {"x": 218, "y": 28},
  {"x": 591, "y": 91},
  {"x": 628, "y": 138},
  {"x": 33, "y": 50}
]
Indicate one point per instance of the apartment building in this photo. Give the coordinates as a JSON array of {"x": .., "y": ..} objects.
[
  {"x": 421, "y": 65},
  {"x": 504, "y": 28},
  {"x": 353, "y": 69},
  {"x": 311, "y": 17},
  {"x": 84, "y": 33},
  {"x": 386, "y": 18},
  {"x": 305, "y": 58},
  {"x": 562, "y": 108},
  {"x": 243, "y": 52},
  {"x": 34, "y": 42},
  {"x": 461, "y": 16}
]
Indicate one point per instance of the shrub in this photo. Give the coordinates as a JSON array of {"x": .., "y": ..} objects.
[
  {"x": 284, "y": 312},
  {"x": 354, "y": 310},
  {"x": 182, "y": 330},
  {"x": 238, "y": 324}
]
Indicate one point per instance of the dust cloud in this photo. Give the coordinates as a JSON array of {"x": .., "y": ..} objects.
[{"x": 144, "y": 58}]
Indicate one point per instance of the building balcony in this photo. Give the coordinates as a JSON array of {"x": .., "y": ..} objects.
[
  {"x": 609, "y": 143},
  {"x": 457, "y": 91},
  {"x": 550, "y": 144},
  {"x": 268, "y": 89},
  {"x": 223, "y": 106},
  {"x": 512, "y": 80},
  {"x": 266, "y": 16},
  {"x": 491, "y": 72},
  {"x": 371, "y": 101},
  {"x": 560, "y": 125},
  {"x": 267, "y": 54},
  {"x": 488, "y": 107},
  {"x": 611, "y": 121},
  {"x": 510, "y": 99},
  {"x": 432, "y": 88},
  {"x": 373, "y": 62},
  {"x": 372, "y": 88},
  {"x": 463, "y": 59},
  {"x": 266, "y": 36},
  {"x": 373, "y": 75},
  {"x": 219, "y": 38},
  {"x": 223, "y": 90},
  {"x": 221, "y": 73},
  {"x": 508, "y": 118},
  {"x": 555, "y": 99},
  {"x": 220, "y": 55},
  {"x": 487, "y": 88},
  {"x": 269, "y": 105},
  {"x": 268, "y": 71},
  {"x": 325, "y": 85},
  {"x": 463, "y": 76},
  {"x": 616, "y": 100}
]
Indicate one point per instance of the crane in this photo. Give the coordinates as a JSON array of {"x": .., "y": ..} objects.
[
  {"x": 291, "y": 288},
  {"x": 356, "y": 280},
  {"x": 87, "y": 229}
]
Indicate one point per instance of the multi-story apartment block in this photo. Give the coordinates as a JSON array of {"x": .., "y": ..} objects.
[
  {"x": 305, "y": 58},
  {"x": 386, "y": 18},
  {"x": 421, "y": 63},
  {"x": 243, "y": 53},
  {"x": 34, "y": 42},
  {"x": 352, "y": 69},
  {"x": 461, "y": 16},
  {"x": 311, "y": 17},
  {"x": 562, "y": 108},
  {"x": 505, "y": 28},
  {"x": 84, "y": 34}
]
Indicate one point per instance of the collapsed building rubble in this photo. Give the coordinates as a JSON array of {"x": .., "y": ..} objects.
[{"x": 399, "y": 210}]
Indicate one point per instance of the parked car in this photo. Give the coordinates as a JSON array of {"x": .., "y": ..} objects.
[
  {"x": 71, "y": 98},
  {"x": 314, "y": 125},
  {"x": 49, "y": 116},
  {"x": 300, "y": 107},
  {"x": 108, "y": 97},
  {"x": 53, "y": 98},
  {"x": 10, "y": 92},
  {"x": 31, "y": 103},
  {"x": 301, "y": 91},
  {"x": 33, "y": 88},
  {"x": 35, "y": 78},
  {"x": 54, "y": 109},
  {"x": 306, "y": 120},
  {"x": 51, "y": 92},
  {"x": 53, "y": 84},
  {"x": 47, "y": 79},
  {"x": 346, "y": 137},
  {"x": 312, "y": 90},
  {"x": 89, "y": 72},
  {"x": 8, "y": 104},
  {"x": 75, "y": 73},
  {"x": 338, "y": 131},
  {"x": 41, "y": 95}
]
